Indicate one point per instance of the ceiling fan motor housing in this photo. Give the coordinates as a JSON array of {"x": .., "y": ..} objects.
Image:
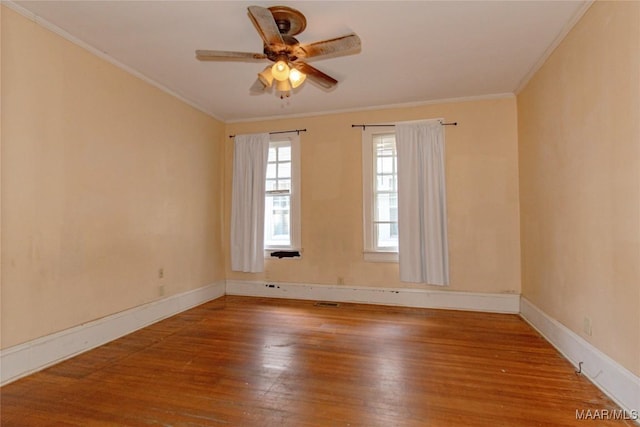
[
  {"x": 280, "y": 51},
  {"x": 289, "y": 21}
]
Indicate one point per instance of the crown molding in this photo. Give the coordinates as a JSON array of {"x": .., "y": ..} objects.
[
  {"x": 377, "y": 107},
  {"x": 103, "y": 55},
  {"x": 552, "y": 47}
]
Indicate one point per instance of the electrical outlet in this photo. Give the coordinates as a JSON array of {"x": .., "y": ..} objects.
[
  {"x": 586, "y": 325},
  {"x": 161, "y": 290},
  {"x": 160, "y": 273},
  {"x": 340, "y": 280}
]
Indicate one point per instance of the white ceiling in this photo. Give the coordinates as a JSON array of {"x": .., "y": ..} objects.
[{"x": 412, "y": 51}]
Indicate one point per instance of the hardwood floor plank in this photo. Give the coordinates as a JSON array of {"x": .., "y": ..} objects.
[{"x": 240, "y": 361}]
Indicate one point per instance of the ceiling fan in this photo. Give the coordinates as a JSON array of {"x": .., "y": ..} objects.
[{"x": 277, "y": 26}]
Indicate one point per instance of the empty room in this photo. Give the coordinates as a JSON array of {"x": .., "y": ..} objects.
[{"x": 305, "y": 213}]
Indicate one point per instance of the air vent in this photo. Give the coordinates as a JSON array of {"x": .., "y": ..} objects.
[{"x": 327, "y": 304}]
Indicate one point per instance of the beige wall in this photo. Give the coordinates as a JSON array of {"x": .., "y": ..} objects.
[
  {"x": 482, "y": 189},
  {"x": 579, "y": 140},
  {"x": 105, "y": 179}
]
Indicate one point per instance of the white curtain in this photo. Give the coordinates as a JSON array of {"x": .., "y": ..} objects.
[
  {"x": 247, "y": 202},
  {"x": 422, "y": 203}
]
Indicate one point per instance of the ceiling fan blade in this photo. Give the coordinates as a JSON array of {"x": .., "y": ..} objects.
[
  {"x": 266, "y": 25},
  {"x": 316, "y": 75},
  {"x": 225, "y": 55},
  {"x": 338, "y": 46}
]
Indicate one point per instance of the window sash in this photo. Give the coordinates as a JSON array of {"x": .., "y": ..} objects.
[
  {"x": 380, "y": 215},
  {"x": 282, "y": 208},
  {"x": 385, "y": 194},
  {"x": 277, "y": 220}
]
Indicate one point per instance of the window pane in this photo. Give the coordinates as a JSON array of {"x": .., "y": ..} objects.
[
  {"x": 284, "y": 170},
  {"x": 386, "y": 235},
  {"x": 386, "y": 164},
  {"x": 271, "y": 170},
  {"x": 386, "y": 207},
  {"x": 284, "y": 184},
  {"x": 284, "y": 153},
  {"x": 386, "y": 183},
  {"x": 271, "y": 184},
  {"x": 277, "y": 220},
  {"x": 272, "y": 154},
  {"x": 385, "y": 145}
]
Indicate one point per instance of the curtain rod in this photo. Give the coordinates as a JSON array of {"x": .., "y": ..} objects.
[
  {"x": 281, "y": 131},
  {"x": 374, "y": 126}
]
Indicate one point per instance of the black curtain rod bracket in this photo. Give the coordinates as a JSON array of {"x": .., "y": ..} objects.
[
  {"x": 379, "y": 126},
  {"x": 281, "y": 131}
]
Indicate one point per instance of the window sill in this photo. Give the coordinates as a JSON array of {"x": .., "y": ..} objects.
[{"x": 371, "y": 256}]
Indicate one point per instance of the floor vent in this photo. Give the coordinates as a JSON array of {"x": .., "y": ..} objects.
[{"x": 327, "y": 304}]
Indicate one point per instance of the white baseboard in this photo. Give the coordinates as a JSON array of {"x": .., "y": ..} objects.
[
  {"x": 612, "y": 378},
  {"x": 420, "y": 298},
  {"x": 24, "y": 359},
  {"x": 621, "y": 385}
]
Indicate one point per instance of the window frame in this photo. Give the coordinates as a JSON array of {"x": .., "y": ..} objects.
[
  {"x": 370, "y": 252},
  {"x": 293, "y": 140}
]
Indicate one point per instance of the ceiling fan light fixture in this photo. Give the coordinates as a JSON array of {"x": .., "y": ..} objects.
[
  {"x": 266, "y": 76},
  {"x": 296, "y": 78},
  {"x": 277, "y": 26},
  {"x": 283, "y": 86},
  {"x": 280, "y": 70}
]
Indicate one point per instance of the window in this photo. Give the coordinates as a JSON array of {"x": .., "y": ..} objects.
[
  {"x": 380, "y": 194},
  {"x": 282, "y": 194}
]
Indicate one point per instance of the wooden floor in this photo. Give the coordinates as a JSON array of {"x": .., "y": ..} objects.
[{"x": 240, "y": 361}]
